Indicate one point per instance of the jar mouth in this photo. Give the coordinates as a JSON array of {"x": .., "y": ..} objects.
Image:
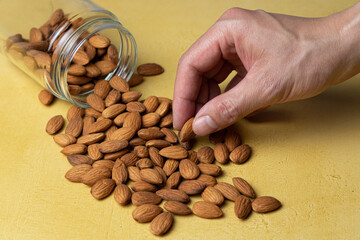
[{"x": 72, "y": 40}]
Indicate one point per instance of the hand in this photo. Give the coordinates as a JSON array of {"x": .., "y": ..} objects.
[{"x": 278, "y": 58}]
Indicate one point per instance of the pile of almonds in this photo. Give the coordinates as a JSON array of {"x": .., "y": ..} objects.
[{"x": 126, "y": 145}]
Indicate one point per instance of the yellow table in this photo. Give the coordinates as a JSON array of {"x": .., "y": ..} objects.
[{"x": 306, "y": 153}]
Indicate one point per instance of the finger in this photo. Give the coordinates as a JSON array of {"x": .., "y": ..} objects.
[
  {"x": 223, "y": 73},
  {"x": 211, "y": 90},
  {"x": 236, "y": 79},
  {"x": 203, "y": 96},
  {"x": 214, "y": 89},
  {"x": 248, "y": 95}
]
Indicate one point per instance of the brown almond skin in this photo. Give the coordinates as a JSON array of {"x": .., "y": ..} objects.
[
  {"x": 141, "y": 151},
  {"x": 76, "y": 70},
  {"x": 186, "y": 132},
  {"x": 157, "y": 143},
  {"x": 137, "y": 142},
  {"x": 102, "y": 88},
  {"x": 75, "y": 126},
  {"x": 100, "y": 126},
  {"x": 151, "y": 104},
  {"x": 102, "y": 188},
  {"x": 145, "y": 213},
  {"x": 150, "y": 133},
  {"x": 265, "y": 204},
  {"x": 177, "y": 208},
  {"x": 104, "y": 163},
  {"x": 129, "y": 159},
  {"x": 116, "y": 155},
  {"x": 150, "y": 69},
  {"x": 91, "y": 138},
  {"x": 161, "y": 224},
  {"x": 173, "y": 195},
  {"x": 112, "y": 98},
  {"x": 119, "y": 172},
  {"x": 55, "y": 124},
  {"x": 157, "y": 159},
  {"x": 221, "y": 153},
  {"x": 151, "y": 176},
  {"x": 206, "y": 155},
  {"x": 210, "y": 169},
  {"x": 46, "y": 97},
  {"x": 132, "y": 120},
  {"x": 212, "y": 195},
  {"x": 192, "y": 156},
  {"x": 227, "y": 190},
  {"x": 162, "y": 173},
  {"x": 76, "y": 173},
  {"x": 77, "y": 159},
  {"x": 119, "y": 84},
  {"x": 150, "y": 120},
  {"x": 105, "y": 66},
  {"x": 207, "y": 180},
  {"x": 192, "y": 187},
  {"x": 144, "y": 163},
  {"x": 95, "y": 102},
  {"x": 174, "y": 152},
  {"x": 99, "y": 41},
  {"x": 141, "y": 198},
  {"x": 240, "y": 154},
  {"x": 244, "y": 187},
  {"x": 135, "y": 80},
  {"x": 143, "y": 186},
  {"x": 173, "y": 181},
  {"x": 111, "y": 146},
  {"x": 95, "y": 174},
  {"x": 217, "y": 137},
  {"x": 135, "y": 107},
  {"x": 170, "y": 136},
  {"x": 124, "y": 133},
  {"x": 113, "y": 111},
  {"x": 166, "y": 121},
  {"x": 206, "y": 210},
  {"x": 64, "y": 140},
  {"x": 170, "y": 166},
  {"x": 122, "y": 194},
  {"x": 188, "y": 169},
  {"x": 94, "y": 153},
  {"x": 74, "y": 112},
  {"x": 232, "y": 138},
  {"x": 74, "y": 149},
  {"x": 163, "y": 108},
  {"x": 242, "y": 207},
  {"x": 130, "y": 96}
]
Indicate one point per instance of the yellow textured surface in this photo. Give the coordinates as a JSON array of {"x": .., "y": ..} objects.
[{"x": 306, "y": 153}]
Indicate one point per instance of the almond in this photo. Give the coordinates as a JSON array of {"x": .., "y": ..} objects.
[
  {"x": 243, "y": 187},
  {"x": 92, "y": 113},
  {"x": 91, "y": 138},
  {"x": 207, "y": 180},
  {"x": 192, "y": 156},
  {"x": 94, "y": 175},
  {"x": 111, "y": 146},
  {"x": 161, "y": 224},
  {"x": 95, "y": 102},
  {"x": 212, "y": 195},
  {"x": 187, "y": 145},
  {"x": 142, "y": 152},
  {"x": 210, "y": 169},
  {"x": 177, "y": 208},
  {"x": 77, "y": 80},
  {"x": 137, "y": 142},
  {"x": 162, "y": 173},
  {"x": 157, "y": 143},
  {"x": 150, "y": 133},
  {"x": 102, "y": 88},
  {"x": 217, "y": 137},
  {"x": 81, "y": 58},
  {"x": 119, "y": 172},
  {"x": 46, "y": 97},
  {"x": 130, "y": 96},
  {"x": 156, "y": 157},
  {"x": 55, "y": 124},
  {"x": 206, "y": 210},
  {"x": 56, "y": 17},
  {"x": 143, "y": 186},
  {"x": 129, "y": 159},
  {"x": 173, "y": 195},
  {"x": 76, "y": 70},
  {"x": 150, "y": 119},
  {"x": 112, "y": 98},
  {"x": 35, "y": 35},
  {"x": 192, "y": 187},
  {"x": 100, "y": 126},
  {"x": 174, "y": 152},
  {"x": 173, "y": 181},
  {"x": 93, "y": 71},
  {"x": 186, "y": 132},
  {"x": 151, "y": 104},
  {"x": 163, "y": 108},
  {"x": 113, "y": 54},
  {"x": 232, "y": 138},
  {"x": 205, "y": 155},
  {"x": 100, "y": 52},
  {"x": 135, "y": 80},
  {"x": 76, "y": 173},
  {"x": 105, "y": 66},
  {"x": 99, "y": 41},
  {"x": 242, "y": 207},
  {"x": 240, "y": 154},
  {"x": 90, "y": 50},
  {"x": 133, "y": 120},
  {"x": 134, "y": 174},
  {"x": 188, "y": 169},
  {"x": 74, "y": 112},
  {"x": 119, "y": 84},
  {"x": 145, "y": 213},
  {"x": 102, "y": 188},
  {"x": 170, "y": 166},
  {"x": 64, "y": 140},
  {"x": 109, "y": 132},
  {"x": 227, "y": 190},
  {"x": 94, "y": 153},
  {"x": 166, "y": 121},
  {"x": 119, "y": 120},
  {"x": 74, "y": 149},
  {"x": 75, "y": 126},
  {"x": 141, "y": 198},
  {"x": 265, "y": 204},
  {"x": 77, "y": 159},
  {"x": 116, "y": 155},
  {"x": 122, "y": 194},
  {"x": 124, "y": 133},
  {"x": 135, "y": 107},
  {"x": 221, "y": 153},
  {"x": 150, "y": 69},
  {"x": 104, "y": 163},
  {"x": 151, "y": 176},
  {"x": 144, "y": 163}
]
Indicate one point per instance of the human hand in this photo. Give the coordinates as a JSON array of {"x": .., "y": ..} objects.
[{"x": 278, "y": 58}]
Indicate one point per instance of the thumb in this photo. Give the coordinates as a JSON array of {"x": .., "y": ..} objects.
[{"x": 250, "y": 94}]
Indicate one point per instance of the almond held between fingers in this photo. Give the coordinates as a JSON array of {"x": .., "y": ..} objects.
[
  {"x": 55, "y": 124},
  {"x": 119, "y": 172},
  {"x": 91, "y": 138},
  {"x": 192, "y": 187},
  {"x": 64, "y": 140},
  {"x": 145, "y": 213},
  {"x": 77, "y": 159},
  {"x": 174, "y": 152},
  {"x": 46, "y": 97},
  {"x": 102, "y": 188},
  {"x": 188, "y": 169},
  {"x": 74, "y": 112},
  {"x": 242, "y": 207},
  {"x": 76, "y": 173},
  {"x": 102, "y": 88},
  {"x": 94, "y": 175},
  {"x": 227, "y": 190},
  {"x": 186, "y": 132},
  {"x": 244, "y": 187},
  {"x": 151, "y": 176},
  {"x": 221, "y": 153},
  {"x": 206, "y": 210},
  {"x": 210, "y": 169},
  {"x": 173, "y": 195},
  {"x": 151, "y": 104},
  {"x": 74, "y": 149},
  {"x": 143, "y": 186},
  {"x": 232, "y": 138},
  {"x": 177, "y": 208},
  {"x": 111, "y": 146},
  {"x": 240, "y": 154},
  {"x": 265, "y": 204},
  {"x": 212, "y": 195},
  {"x": 150, "y": 69},
  {"x": 95, "y": 102},
  {"x": 141, "y": 198},
  {"x": 119, "y": 84},
  {"x": 74, "y": 127},
  {"x": 122, "y": 194},
  {"x": 206, "y": 155},
  {"x": 161, "y": 224}
]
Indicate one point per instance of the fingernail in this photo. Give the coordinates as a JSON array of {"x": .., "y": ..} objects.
[{"x": 204, "y": 125}]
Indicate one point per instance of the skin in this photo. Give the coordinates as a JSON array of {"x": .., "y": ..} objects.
[{"x": 278, "y": 58}]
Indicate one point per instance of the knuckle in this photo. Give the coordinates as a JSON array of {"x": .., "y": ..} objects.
[
  {"x": 231, "y": 13},
  {"x": 227, "y": 110}
]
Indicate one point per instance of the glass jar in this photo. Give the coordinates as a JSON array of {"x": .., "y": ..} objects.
[{"x": 53, "y": 42}]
